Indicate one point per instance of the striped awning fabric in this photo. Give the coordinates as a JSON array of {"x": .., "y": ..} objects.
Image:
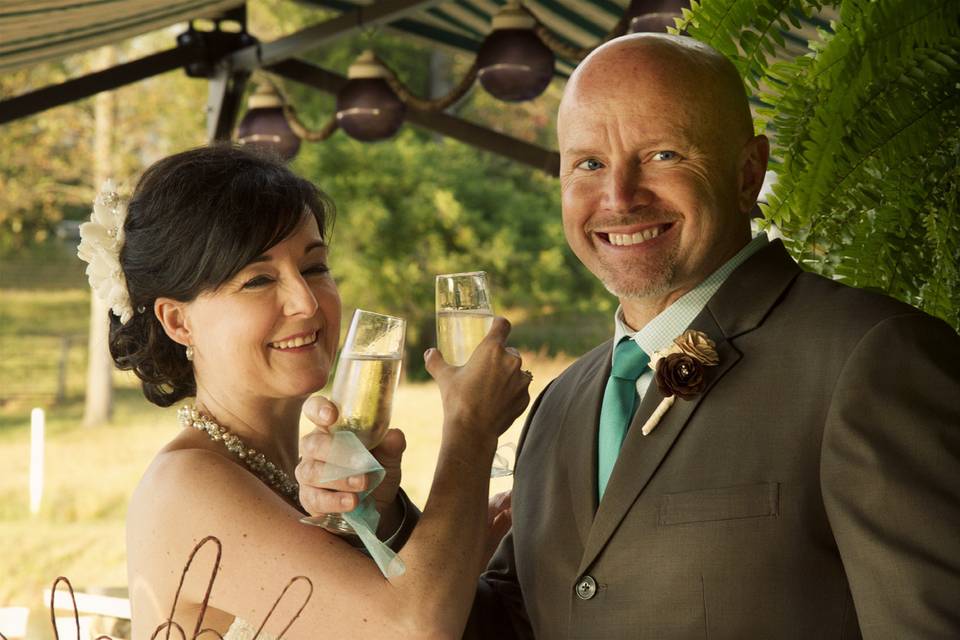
[
  {"x": 33, "y": 31},
  {"x": 463, "y": 24}
]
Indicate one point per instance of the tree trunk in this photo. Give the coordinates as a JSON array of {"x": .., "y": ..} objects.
[
  {"x": 441, "y": 79},
  {"x": 99, "y": 396}
]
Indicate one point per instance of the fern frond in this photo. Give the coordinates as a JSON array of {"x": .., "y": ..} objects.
[
  {"x": 866, "y": 131},
  {"x": 749, "y": 32},
  {"x": 867, "y": 118}
]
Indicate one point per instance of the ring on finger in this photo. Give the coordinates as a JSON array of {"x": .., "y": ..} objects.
[{"x": 527, "y": 373}]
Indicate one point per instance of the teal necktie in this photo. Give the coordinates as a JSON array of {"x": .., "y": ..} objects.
[{"x": 616, "y": 412}]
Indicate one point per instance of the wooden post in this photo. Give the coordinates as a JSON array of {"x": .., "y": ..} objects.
[
  {"x": 99, "y": 394},
  {"x": 37, "y": 420},
  {"x": 62, "y": 373}
]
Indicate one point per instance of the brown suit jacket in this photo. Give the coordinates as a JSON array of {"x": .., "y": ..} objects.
[{"x": 812, "y": 491}]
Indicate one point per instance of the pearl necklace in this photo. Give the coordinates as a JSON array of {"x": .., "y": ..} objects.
[{"x": 271, "y": 474}]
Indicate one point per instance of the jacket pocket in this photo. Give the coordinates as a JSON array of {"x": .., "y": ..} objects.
[{"x": 728, "y": 503}]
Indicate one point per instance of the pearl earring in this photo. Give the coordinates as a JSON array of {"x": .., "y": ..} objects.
[{"x": 190, "y": 352}]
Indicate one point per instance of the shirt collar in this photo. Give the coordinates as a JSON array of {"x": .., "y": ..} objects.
[{"x": 674, "y": 320}]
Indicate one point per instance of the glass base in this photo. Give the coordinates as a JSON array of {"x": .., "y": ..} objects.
[{"x": 332, "y": 522}]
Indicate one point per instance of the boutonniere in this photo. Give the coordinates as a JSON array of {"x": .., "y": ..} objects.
[{"x": 679, "y": 371}]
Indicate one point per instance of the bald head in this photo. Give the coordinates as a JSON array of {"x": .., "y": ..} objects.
[
  {"x": 659, "y": 167},
  {"x": 688, "y": 74}
]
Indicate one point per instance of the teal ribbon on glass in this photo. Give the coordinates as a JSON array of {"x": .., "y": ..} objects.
[
  {"x": 349, "y": 457},
  {"x": 616, "y": 412}
]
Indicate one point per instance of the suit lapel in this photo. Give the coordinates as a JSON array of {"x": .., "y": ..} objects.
[
  {"x": 578, "y": 438},
  {"x": 641, "y": 455},
  {"x": 739, "y": 306}
]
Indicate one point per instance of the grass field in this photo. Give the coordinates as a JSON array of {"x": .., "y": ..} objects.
[
  {"x": 37, "y": 329},
  {"x": 91, "y": 472}
]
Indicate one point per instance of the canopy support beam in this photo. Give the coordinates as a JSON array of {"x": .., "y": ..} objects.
[
  {"x": 88, "y": 85},
  {"x": 223, "y": 102}
]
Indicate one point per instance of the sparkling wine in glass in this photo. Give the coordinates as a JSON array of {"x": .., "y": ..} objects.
[
  {"x": 364, "y": 386},
  {"x": 464, "y": 314}
]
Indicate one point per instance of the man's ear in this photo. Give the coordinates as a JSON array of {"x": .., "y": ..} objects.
[
  {"x": 172, "y": 315},
  {"x": 753, "y": 168}
]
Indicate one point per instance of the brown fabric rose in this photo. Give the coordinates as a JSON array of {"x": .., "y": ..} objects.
[
  {"x": 697, "y": 345},
  {"x": 680, "y": 375}
]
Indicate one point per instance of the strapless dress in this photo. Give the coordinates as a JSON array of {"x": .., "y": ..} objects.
[{"x": 243, "y": 630}]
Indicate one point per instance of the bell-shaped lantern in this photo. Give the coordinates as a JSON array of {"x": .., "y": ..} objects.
[
  {"x": 513, "y": 64},
  {"x": 367, "y": 108},
  {"x": 265, "y": 127}
]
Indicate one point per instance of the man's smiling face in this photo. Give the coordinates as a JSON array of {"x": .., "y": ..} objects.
[{"x": 650, "y": 170}]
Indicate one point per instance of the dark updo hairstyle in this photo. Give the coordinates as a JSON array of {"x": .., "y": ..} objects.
[{"x": 194, "y": 221}]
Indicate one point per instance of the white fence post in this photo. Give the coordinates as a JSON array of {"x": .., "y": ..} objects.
[{"x": 36, "y": 459}]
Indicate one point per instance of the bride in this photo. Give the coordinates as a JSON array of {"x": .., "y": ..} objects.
[{"x": 217, "y": 276}]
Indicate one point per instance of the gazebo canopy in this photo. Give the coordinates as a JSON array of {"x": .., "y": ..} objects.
[{"x": 33, "y": 31}]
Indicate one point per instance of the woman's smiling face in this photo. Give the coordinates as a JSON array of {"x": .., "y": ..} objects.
[{"x": 271, "y": 330}]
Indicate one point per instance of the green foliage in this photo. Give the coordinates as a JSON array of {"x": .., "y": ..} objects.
[
  {"x": 866, "y": 133},
  {"x": 749, "y": 32},
  {"x": 46, "y": 160},
  {"x": 38, "y": 173},
  {"x": 432, "y": 207},
  {"x": 419, "y": 205}
]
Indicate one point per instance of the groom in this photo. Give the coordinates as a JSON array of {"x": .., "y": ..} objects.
[{"x": 809, "y": 485}]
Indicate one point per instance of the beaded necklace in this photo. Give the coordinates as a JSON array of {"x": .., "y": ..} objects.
[{"x": 271, "y": 474}]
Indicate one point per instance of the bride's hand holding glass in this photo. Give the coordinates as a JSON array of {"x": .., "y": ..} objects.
[
  {"x": 480, "y": 401},
  {"x": 340, "y": 496}
]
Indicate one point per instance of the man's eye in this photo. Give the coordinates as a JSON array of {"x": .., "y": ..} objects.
[
  {"x": 317, "y": 269},
  {"x": 590, "y": 164},
  {"x": 258, "y": 281},
  {"x": 666, "y": 155}
]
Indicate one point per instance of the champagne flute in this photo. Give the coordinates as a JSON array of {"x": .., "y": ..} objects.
[
  {"x": 464, "y": 316},
  {"x": 364, "y": 386}
]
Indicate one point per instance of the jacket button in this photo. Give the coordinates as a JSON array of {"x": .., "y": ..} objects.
[{"x": 586, "y": 588}]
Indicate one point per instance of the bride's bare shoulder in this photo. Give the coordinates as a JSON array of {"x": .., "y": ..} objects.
[
  {"x": 179, "y": 501},
  {"x": 183, "y": 479},
  {"x": 186, "y": 495}
]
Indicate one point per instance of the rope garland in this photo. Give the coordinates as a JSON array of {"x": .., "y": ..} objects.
[
  {"x": 303, "y": 131},
  {"x": 554, "y": 42},
  {"x": 435, "y": 104}
]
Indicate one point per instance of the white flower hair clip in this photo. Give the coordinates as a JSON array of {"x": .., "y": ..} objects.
[{"x": 100, "y": 242}]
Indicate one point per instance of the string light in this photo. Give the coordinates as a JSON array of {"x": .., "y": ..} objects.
[
  {"x": 514, "y": 63},
  {"x": 265, "y": 126},
  {"x": 367, "y": 108}
]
